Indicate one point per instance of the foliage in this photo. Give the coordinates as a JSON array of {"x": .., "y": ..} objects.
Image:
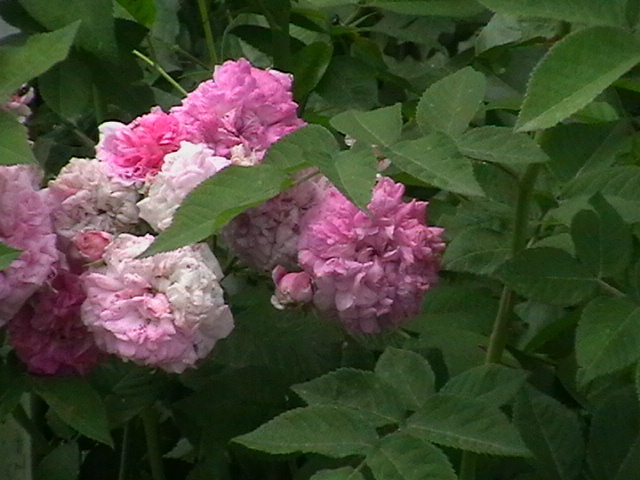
[{"x": 515, "y": 120}]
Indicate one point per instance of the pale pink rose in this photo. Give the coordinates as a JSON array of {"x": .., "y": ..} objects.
[
  {"x": 85, "y": 199},
  {"x": 47, "y": 333},
  {"x": 292, "y": 289},
  {"x": 19, "y": 102},
  {"x": 166, "y": 311},
  {"x": 181, "y": 172},
  {"x": 370, "y": 272},
  {"x": 91, "y": 244},
  {"x": 243, "y": 106},
  {"x": 135, "y": 151},
  {"x": 25, "y": 224},
  {"x": 265, "y": 236}
]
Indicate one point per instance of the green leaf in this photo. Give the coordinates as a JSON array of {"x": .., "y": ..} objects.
[
  {"x": 216, "y": 201},
  {"x": 548, "y": 275},
  {"x": 552, "y": 432},
  {"x": 68, "y": 88},
  {"x": 7, "y": 255},
  {"x": 501, "y": 145},
  {"x": 619, "y": 181},
  {"x": 603, "y": 241},
  {"x": 448, "y": 105},
  {"x": 354, "y": 389},
  {"x": 380, "y": 127},
  {"x": 308, "y": 145},
  {"x": 12, "y": 386},
  {"x": 347, "y": 83},
  {"x": 352, "y": 171},
  {"x": 613, "y": 451},
  {"x": 62, "y": 463},
  {"x": 446, "y": 8},
  {"x": 579, "y": 148},
  {"x": 144, "y": 11},
  {"x": 477, "y": 250},
  {"x": 97, "y": 29},
  {"x": 14, "y": 143},
  {"x": 344, "y": 473},
  {"x": 39, "y": 53},
  {"x": 608, "y": 337},
  {"x": 494, "y": 384},
  {"x": 573, "y": 72},
  {"x": 408, "y": 374},
  {"x": 403, "y": 457},
  {"x": 594, "y": 12},
  {"x": 435, "y": 160},
  {"x": 309, "y": 66},
  {"x": 326, "y": 430},
  {"x": 77, "y": 403},
  {"x": 466, "y": 424}
]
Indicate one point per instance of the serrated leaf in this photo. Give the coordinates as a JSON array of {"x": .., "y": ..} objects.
[
  {"x": 548, "y": 275},
  {"x": 435, "y": 160},
  {"x": 309, "y": 66},
  {"x": 608, "y": 337},
  {"x": 331, "y": 431},
  {"x": 578, "y": 148},
  {"x": 380, "y": 127},
  {"x": 594, "y": 12},
  {"x": 613, "y": 451},
  {"x": 603, "y": 241},
  {"x": 97, "y": 29},
  {"x": 39, "y": 53},
  {"x": 620, "y": 181},
  {"x": 77, "y": 403},
  {"x": 494, "y": 384},
  {"x": 352, "y": 171},
  {"x": 500, "y": 145},
  {"x": 14, "y": 142},
  {"x": 466, "y": 424},
  {"x": 308, "y": 145},
  {"x": 573, "y": 72},
  {"x": 7, "y": 255},
  {"x": 144, "y": 11},
  {"x": 68, "y": 88},
  {"x": 62, "y": 463},
  {"x": 446, "y": 8},
  {"x": 448, "y": 105},
  {"x": 354, "y": 389},
  {"x": 348, "y": 83},
  {"x": 552, "y": 432},
  {"x": 344, "y": 473},
  {"x": 477, "y": 250},
  {"x": 403, "y": 457},
  {"x": 408, "y": 374},
  {"x": 216, "y": 201}
]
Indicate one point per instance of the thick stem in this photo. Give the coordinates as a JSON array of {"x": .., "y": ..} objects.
[
  {"x": 208, "y": 34},
  {"x": 150, "y": 424},
  {"x": 500, "y": 332}
]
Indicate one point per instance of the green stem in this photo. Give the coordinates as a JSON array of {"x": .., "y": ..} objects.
[
  {"x": 40, "y": 443},
  {"x": 150, "y": 424},
  {"x": 122, "y": 470},
  {"x": 468, "y": 466},
  {"x": 208, "y": 34},
  {"x": 500, "y": 332},
  {"x": 161, "y": 71}
]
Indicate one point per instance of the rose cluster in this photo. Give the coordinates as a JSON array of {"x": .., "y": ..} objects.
[{"x": 79, "y": 291}]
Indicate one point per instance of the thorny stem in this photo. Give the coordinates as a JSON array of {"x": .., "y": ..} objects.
[
  {"x": 208, "y": 34},
  {"x": 161, "y": 71},
  {"x": 500, "y": 332},
  {"x": 150, "y": 424}
]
